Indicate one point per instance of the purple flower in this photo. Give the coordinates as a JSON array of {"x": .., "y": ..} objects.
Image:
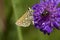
[{"x": 46, "y": 15}]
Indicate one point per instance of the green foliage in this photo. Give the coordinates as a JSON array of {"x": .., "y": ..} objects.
[{"x": 16, "y": 8}]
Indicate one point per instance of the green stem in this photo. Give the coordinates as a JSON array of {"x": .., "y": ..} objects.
[
  {"x": 18, "y": 28},
  {"x": 19, "y": 33}
]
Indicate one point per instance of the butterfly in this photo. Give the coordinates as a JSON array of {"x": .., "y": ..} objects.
[{"x": 26, "y": 19}]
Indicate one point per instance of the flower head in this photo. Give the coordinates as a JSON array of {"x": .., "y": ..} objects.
[{"x": 46, "y": 15}]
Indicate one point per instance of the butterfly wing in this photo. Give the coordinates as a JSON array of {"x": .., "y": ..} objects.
[{"x": 25, "y": 20}]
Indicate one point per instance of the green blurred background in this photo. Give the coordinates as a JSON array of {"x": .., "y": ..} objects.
[{"x": 13, "y": 9}]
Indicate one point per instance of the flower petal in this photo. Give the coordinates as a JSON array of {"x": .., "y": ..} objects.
[
  {"x": 48, "y": 29},
  {"x": 56, "y": 25}
]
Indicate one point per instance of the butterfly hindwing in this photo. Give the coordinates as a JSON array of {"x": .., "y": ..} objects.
[{"x": 25, "y": 20}]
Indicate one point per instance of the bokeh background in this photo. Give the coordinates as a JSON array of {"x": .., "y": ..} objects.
[{"x": 10, "y": 11}]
